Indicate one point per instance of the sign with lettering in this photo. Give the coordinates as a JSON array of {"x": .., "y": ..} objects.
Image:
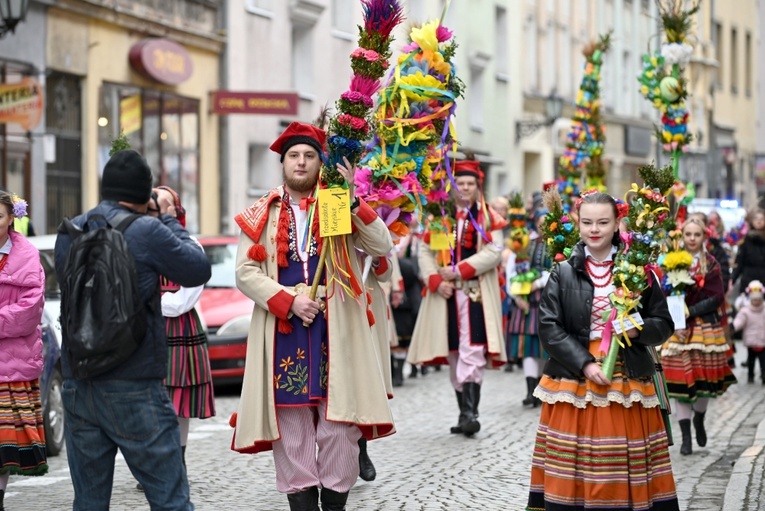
[
  {"x": 22, "y": 103},
  {"x": 334, "y": 212},
  {"x": 162, "y": 60},
  {"x": 229, "y": 102}
]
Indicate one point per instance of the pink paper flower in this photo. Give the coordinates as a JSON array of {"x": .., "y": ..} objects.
[
  {"x": 443, "y": 34},
  {"x": 354, "y": 122},
  {"x": 409, "y": 48},
  {"x": 372, "y": 56}
]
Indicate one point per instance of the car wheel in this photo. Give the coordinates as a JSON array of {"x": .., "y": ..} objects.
[{"x": 53, "y": 415}]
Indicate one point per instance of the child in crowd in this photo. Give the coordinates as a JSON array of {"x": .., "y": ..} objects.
[{"x": 751, "y": 320}]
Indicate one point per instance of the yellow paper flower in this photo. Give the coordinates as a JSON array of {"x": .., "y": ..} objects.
[
  {"x": 425, "y": 36},
  {"x": 677, "y": 259}
]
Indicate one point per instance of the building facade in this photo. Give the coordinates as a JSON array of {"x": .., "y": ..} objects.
[
  {"x": 555, "y": 32},
  {"x": 731, "y": 123},
  {"x": 23, "y": 101},
  {"x": 145, "y": 69}
]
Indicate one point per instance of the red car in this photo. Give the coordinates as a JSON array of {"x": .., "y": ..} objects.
[{"x": 226, "y": 311}]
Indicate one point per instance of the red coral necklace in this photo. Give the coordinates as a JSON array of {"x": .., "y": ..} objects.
[{"x": 598, "y": 280}]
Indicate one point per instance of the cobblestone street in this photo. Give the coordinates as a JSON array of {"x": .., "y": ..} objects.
[{"x": 422, "y": 467}]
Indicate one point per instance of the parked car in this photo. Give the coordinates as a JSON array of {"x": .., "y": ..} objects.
[
  {"x": 226, "y": 311},
  {"x": 51, "y": 378}
]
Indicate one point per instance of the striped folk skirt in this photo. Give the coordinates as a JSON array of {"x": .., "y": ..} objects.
[
  {"x": 601, "y": 447},
  {"x": 22, "y": 438},
  {"x": 521, "y": 335},
  {"x": 697, "y": 366},
  {"x": 189, "y": 379}
]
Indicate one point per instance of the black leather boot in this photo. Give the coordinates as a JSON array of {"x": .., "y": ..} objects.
[
  {"x": 471, "y": 395},
  {"x": 685, "y": 427},
  {"x": 397, "y": 371},
  {"x": 332, "y": 500},
  {"x": 366, "y": 468},
  {"x": 306, "y": 500},
  {"x": 531, "y": 384},
  {"x": 2, "y": 495},
  {"x": 456, "y": 430},
  {"x": 698, "y": 425},
  {"x": 413, "y": 372}
]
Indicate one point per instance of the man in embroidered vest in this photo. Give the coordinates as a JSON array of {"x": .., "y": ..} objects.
[
  {"x": 460, "y": 320},
  {"x": 312, "y": 375}
]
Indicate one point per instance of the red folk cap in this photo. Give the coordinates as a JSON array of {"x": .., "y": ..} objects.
[
  {"x": 468, "y": 168},
  {"x": 299, "y": 133}
]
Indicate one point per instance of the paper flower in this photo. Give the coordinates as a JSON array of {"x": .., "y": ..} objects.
[{"x": 19, "y": 206}]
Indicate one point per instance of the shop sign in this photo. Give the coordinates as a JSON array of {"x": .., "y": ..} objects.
[
  {"x": 130, "y": 114},
  {"x": 22, "y": 103},
  {"x": 280, "y": 103},
  {"x": 162, "y": 60}
]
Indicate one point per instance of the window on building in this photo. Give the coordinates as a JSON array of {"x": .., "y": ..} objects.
[
  {"x": 627, "y": 85},
  {"x": 733, "y": 60},
  {"x": 302, "y": 60},
  {"x": 531, "y": 67},
  {"x": 718, "y": 43},
  {"x": 342, "y": 17},
  {"x": 63, "y": 175},
  {"x": 162, "y": 126},
  {"x": 748, "y": 64},
  {"x": 259, "y": 7},
  {"x": 501, "y": 42},
  {"x": 260, "y": 160},
  {"x": 476, "y": 99},
  {"x": 645, "y": 6}
]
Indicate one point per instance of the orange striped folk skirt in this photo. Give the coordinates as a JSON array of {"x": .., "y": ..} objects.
[
  {"x": 22, "y": 437},
  {"x": 601, "y": 447},
  {"x": 697, "y": 366}
]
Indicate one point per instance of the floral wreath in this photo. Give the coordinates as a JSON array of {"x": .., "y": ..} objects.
[{"x": 755, "y": 286}]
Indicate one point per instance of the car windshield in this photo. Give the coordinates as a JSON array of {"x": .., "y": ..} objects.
[
  {"x": 51, "y": 282},
  {"x": 223, "y": 261}
]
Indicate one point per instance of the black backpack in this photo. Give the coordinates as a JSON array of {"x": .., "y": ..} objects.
[{"x": 103, "y": 320}]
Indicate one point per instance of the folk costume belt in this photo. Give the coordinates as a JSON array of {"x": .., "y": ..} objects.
[
  {"x": 472, "y": 288},
  {"x": 305, "y": 290},
  {"x": 467, "y": 284}
]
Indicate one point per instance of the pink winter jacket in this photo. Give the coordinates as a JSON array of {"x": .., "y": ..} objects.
[
  {"x": 752, "y": 322},
  {"x": 22, "y": 287}
]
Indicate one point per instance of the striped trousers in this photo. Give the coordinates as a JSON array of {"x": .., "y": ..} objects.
[{"x": 298, "y": 464}]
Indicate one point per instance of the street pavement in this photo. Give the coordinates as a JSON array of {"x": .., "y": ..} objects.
[{"x": 422, "y": 467}]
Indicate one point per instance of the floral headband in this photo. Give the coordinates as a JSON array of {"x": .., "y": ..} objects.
[
  {"x": 622, "y": 208},
  {"x": 19, "y": 206},
  {"x": 754, "y": 286}
]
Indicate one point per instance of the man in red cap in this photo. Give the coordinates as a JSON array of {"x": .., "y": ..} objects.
[
  {"x": 460, "y": 319},
  {"x": 312, "y": 376}
]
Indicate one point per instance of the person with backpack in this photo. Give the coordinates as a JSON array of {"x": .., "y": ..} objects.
[
  {"x": 114, "y": 353},
  {"x": 22, "y": 290}
]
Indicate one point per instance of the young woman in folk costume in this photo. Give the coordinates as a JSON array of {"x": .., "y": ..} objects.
[
  {"x": 189, "y": 378},
  {"x": 694, "y": 359},
  {"x": 522, "y": 327},
  {"x": 601, "y": 444},
  {"x": 22, "y": 287},
  {"x": 460, "y": 320}
]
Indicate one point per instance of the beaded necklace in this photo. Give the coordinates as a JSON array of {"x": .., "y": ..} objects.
[
  {"x": 603, "y": 279},
  {"x": 293, "y": 243}
]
